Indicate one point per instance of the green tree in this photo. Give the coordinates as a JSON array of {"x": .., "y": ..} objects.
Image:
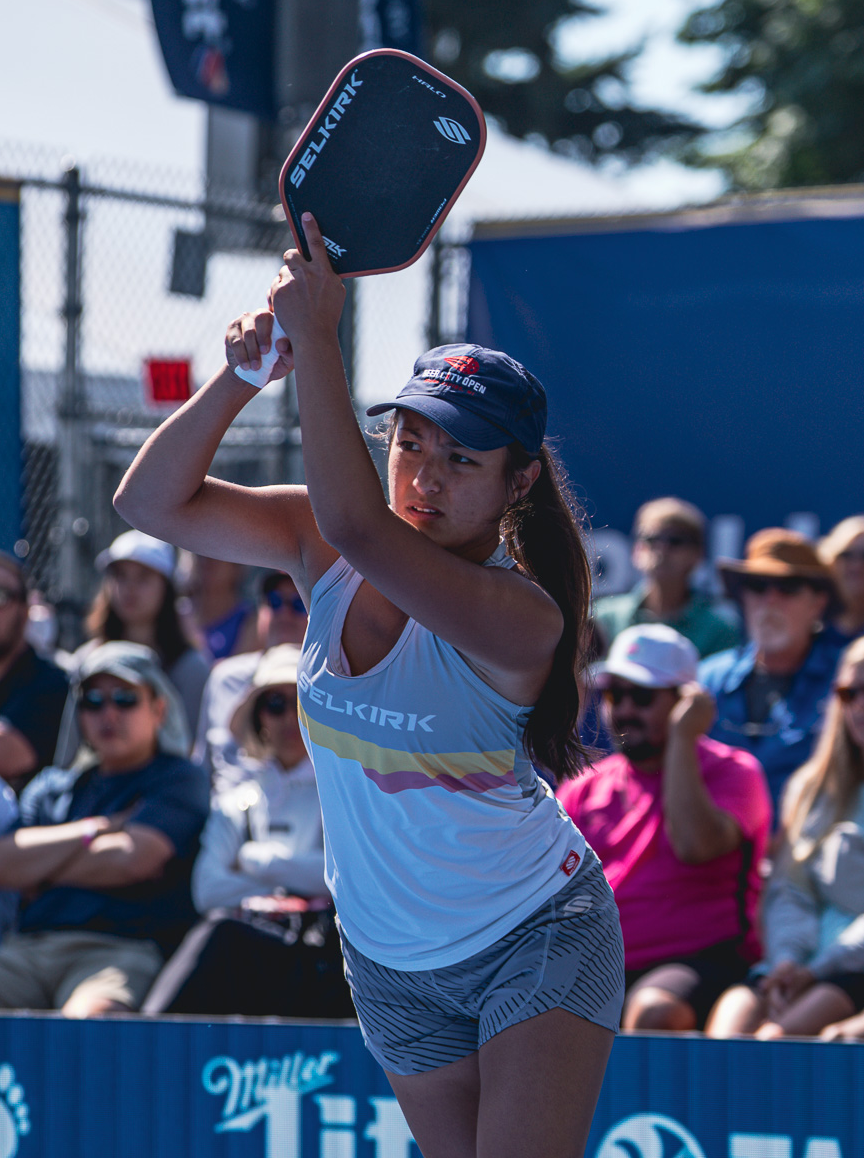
[
  {"x": 505, "y": 53},
  {"x": 802, "y": 63}
]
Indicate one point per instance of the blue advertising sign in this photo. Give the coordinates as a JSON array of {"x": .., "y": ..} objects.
[
  {"x": 10, "y": 368},
  {"x": 220, "y": 51},
  {"x": 718, "y": 359},
  {"x": 141, "y": 1087}
]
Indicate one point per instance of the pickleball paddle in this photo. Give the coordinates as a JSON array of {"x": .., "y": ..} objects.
[{"x": 379, "y": 166}]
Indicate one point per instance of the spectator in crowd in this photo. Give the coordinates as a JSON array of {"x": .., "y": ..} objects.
[
  {"x": 137, "y": 601},
  {"x": 269, "y": 945},
  {"x": 680, "y": 823},
  {"x": 771, "y": 693},
  {"x": 223, "y": 615},
  {"x": 281, "y": 619},
  {"x": 104, "y": 853},
  {"x": 812, "y": 974},
  {"x": 669, "y": 544},
  {"x": 32, "y": 689},
  {"x": 842, "y": 550}
]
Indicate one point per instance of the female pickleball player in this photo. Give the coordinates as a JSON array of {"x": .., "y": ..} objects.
[{"x": 481, "y": 940}]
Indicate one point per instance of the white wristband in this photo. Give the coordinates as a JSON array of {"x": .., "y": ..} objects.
[{"x": 268, "y": 361}]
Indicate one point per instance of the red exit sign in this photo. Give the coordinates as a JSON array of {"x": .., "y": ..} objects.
[{"x": 167, "y": 381}]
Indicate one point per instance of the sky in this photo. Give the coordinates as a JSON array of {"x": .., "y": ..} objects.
[{"x": 88, "y": 81}]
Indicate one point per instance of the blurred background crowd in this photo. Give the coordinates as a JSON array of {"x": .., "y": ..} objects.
[{"x": 163, "y": 848}]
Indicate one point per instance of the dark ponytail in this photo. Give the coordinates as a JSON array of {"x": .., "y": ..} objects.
[{"x": 543, "y": 534}]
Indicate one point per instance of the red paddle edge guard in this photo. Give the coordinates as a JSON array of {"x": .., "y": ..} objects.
[{"x": 302, "y": 144}]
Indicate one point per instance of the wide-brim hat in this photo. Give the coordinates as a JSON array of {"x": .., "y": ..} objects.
[
  {"x": 777, "y": 553},
  {"x": 139, "y": 665},
  {"x": 278, "y": 665}
]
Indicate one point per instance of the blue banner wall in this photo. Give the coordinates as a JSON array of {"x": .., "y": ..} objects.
[
  {"x": 178, "y": 1088},
  {"x": 10, "y": 370},
  {"x": 720, "y": 361},
  {"x": 220, "y": 52}
]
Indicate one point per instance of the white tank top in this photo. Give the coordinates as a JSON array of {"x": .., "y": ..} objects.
[{"x": 439, "y": 835}]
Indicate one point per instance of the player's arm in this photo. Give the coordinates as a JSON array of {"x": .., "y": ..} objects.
[
  {"x": 168, "y": 493},
  {"x": 463, "y": 603}
]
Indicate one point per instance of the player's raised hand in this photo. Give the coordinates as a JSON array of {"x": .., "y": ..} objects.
[
  {"x": 307, "y": 296},
  {"x": 249, "y": 337}
]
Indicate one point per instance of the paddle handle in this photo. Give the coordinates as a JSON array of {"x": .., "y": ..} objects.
[{"x": 268, "y": 361}]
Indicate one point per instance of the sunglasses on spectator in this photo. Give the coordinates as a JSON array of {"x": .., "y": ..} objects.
[
  {"x": 851, "y": 556},
  {"x": 787, "y": 585},
  {"x": 668, "y": 540},
  {"x": 8, "y": 596},
  {"x": 94, "y": 700},
  {"x": 848, "y": 695},
  {"x": 616, "y": 694},
  {"x": 276, "y": 704},
  {"x": 275, "y": 601}
]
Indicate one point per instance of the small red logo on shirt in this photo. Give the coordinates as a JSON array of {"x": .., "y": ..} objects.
[{"x": 571, "y": 863}]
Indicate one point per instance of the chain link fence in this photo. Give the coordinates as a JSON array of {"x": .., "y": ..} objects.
[{"x": 120, "y": 266}]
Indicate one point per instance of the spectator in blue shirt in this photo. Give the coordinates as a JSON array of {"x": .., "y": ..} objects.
[
  {"x": 104, "y": 852},
  {"x": 771, "y": 693}
]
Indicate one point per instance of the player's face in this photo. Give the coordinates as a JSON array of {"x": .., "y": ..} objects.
[
  {"x": 454, "y": 495},
  {"x": 136, "y": 592},
  {"x": 120, "y": 721}
]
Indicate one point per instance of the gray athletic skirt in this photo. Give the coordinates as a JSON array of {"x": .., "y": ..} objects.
[{"x": 567, "y": 955}]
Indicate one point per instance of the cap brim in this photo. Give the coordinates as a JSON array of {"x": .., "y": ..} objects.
[
  {"x": 468, "y": 429},
  {"x": 635, "y": 673}
]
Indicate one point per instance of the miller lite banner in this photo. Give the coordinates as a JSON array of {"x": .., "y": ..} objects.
[{"x": 220, "y": 51}]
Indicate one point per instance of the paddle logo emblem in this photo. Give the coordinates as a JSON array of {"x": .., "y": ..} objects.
[{"x": 452, "y": 130}]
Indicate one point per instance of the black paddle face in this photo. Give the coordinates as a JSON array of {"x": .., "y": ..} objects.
[{"x": 382, "y": 161}]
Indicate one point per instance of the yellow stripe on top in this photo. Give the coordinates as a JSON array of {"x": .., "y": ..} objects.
[{"x": 394, "y": 770}]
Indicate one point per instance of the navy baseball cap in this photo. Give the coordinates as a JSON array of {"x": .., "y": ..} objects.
[{"x": 482, "y": 398}]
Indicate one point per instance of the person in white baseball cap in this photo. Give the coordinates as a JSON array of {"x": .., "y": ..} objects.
[
  {"x": 680, "y": 823},
  {"x": 137, "y": 601}
]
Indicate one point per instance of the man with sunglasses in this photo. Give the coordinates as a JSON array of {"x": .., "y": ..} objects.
[
  {"x": 281, "y": 618},
  {"x": 668, "y": 546},
  {"x": 680, "y": 824},
  {"x": 32, "y": 689},
  {"x": 772, "y": 692},
  {"x": 104, "y": 851}
]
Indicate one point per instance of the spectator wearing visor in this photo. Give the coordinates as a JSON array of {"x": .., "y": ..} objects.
[
  {"x": 668, "y": 546},
  {"x": 680, "y": 823},
  {"x": 32, "y": 689},
  {"x": 281, "y": 618},
  {"x": 772, "y": 693},
  {"x": 104, "y": 851}
]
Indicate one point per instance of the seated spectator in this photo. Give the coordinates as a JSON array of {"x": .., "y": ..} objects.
[
  {"x": 137, "y": 600},
  {"x": 269, "y": 945},
  {"x": 281, "y": 619},
  {"x": 32, "y": 689},
  {"x": 772, "y": 692},
  {"x": 668, "y": 546},
  {"x": 223, "y": 616},
  {"x": 679, "y": 823},
  {"x": 842, "y": 550},
  {"x": 104, "y": 853},
  {"x": 812, "y": 974}
]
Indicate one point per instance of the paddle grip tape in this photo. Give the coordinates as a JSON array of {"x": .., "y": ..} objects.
[{"x": 268, "y": 361}]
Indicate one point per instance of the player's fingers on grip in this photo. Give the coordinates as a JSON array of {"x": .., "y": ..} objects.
[{"x": 314, "y": 238}]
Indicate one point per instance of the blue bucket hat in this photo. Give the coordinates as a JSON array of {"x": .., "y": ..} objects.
[{"x": 482, "y": 398}]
